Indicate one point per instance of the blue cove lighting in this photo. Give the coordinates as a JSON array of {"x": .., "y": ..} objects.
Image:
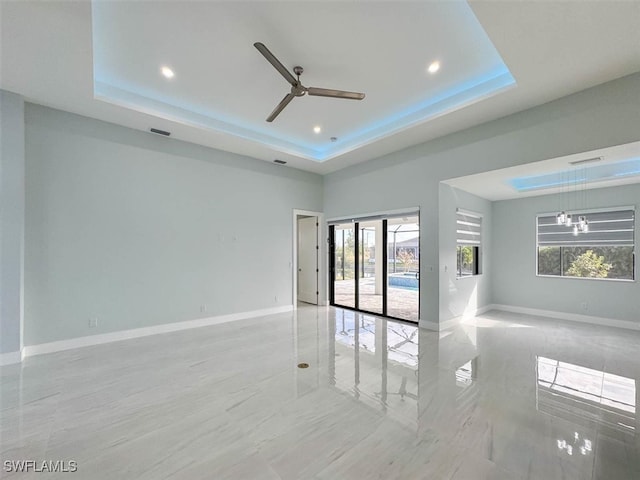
[
  {"x": 577, "y": 176},
  {"x": 115, "y": 88}
]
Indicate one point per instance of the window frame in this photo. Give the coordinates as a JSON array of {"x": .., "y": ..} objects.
[
  {"x": 477, "y": 249},
  {"x": 588, "y": 211},
  {"x": 476, "y": 261}
]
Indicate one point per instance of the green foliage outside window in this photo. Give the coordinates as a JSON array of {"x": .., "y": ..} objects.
[
  {"x": 345, "y": 256},
  {"x": 587, "y": 262},
  {"x": 467, "y": 260},
  {"x": 589, "y": 265}
]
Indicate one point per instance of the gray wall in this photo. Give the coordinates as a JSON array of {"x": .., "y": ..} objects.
[
  {"x": 602, "y": 116},
  {"x": 515, "y": 281},
  {"x": 138, "y": 230},
  {"x": 463, "y": 296},
  {"x": 12, "y": 193}
]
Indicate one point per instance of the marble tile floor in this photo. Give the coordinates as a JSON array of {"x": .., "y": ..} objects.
[{"x": 504, "y": 396}]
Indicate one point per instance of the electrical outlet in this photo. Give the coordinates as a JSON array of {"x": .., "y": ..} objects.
[
  {"x": 203, "y": 308},
  {"x": 585, "y": 306},
  {"x": 275, "y": 299},
  {"x": 93, "y": 322}
]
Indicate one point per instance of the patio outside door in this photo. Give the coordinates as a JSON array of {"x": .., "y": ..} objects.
[
  {"x": 403, "y": 268},
  {"x": 375, "y": 265},
  {"x": 343, "y": 273},
  {"x": 370, "y": 266}
]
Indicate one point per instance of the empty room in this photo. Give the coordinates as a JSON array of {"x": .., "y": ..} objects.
[{"x": 319, "y": 240}]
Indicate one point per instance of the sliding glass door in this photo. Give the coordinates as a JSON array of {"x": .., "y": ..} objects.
[
  {"x": 403, "y": 267},
  {"x": 370, "y": 256},
  {"x": 375, "y": 265},
  {"x": 344, "y": 270}
]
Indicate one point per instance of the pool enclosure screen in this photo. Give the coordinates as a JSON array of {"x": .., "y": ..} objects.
[{"x": 375, "y": 265}]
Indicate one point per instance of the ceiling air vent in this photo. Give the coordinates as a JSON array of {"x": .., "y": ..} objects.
[
  {"x": 279, "y": 162},
  {"x": 160, "y": 132},
  {"x": 587, "y": 160}
]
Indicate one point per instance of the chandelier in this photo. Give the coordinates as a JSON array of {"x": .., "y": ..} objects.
[{"x": 564, "y": 218}]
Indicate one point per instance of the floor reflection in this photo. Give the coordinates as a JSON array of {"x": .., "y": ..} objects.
[
  {"x": 575, "y": 392},
  {"x": 402, "y": 343},
  {"x": 376, "y": 361},
  {"x": 577, "y": 444},
  {"x": 484, "y": 392},
  {"x": 347, "y": 333},
  {"x": 466, "y": 373}
]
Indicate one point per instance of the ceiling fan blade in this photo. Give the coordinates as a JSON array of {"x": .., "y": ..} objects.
[
  {"x": 285, "y": 101},
  {"x": 271, "y": 58},
  {"x": 326, "y": 92}
]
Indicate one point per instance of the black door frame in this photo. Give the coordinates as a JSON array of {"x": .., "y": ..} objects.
[{"x": 332, "y": 261}]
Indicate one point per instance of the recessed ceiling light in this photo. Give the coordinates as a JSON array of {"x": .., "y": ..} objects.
[
  {"x": 167, "y": 72},
  {"x": 317, "y": 129},
  {"x": 434, "y": 67}
]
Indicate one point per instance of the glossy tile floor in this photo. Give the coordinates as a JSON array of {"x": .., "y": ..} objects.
[{"x": 506, "y": 397}]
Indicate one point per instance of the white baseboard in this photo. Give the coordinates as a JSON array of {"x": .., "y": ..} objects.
[
  {"x": 573, "y": 317},
  {"x": 321, "y": 303},
  {"x": 452, "y": 322},
  {"x": 10, "y": 358},
  {"x": 59, "y": 346}
]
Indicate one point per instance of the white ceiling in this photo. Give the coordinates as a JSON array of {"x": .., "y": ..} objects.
[
  {"x": 497, "y": 184},
  {"x": 232, "y": 88},
  {"x": 382, "y": 48}
]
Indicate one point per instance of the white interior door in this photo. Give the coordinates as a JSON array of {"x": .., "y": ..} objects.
[{"x": 308, "y": 260}]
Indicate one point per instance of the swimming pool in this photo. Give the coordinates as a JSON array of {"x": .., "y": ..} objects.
[{"x": 407, "y": 280}]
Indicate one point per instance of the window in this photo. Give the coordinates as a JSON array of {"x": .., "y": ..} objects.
[
  {"x": 605, "y": 251},
  {"x": 469, "y": 241},
  {"x": 467, "y": 259}
]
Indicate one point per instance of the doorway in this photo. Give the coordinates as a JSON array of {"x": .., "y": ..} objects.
[
  {"x": 307, "y": 265},
  {"x": 308, "y": 261},
  {"x": 375, "y": 265}
]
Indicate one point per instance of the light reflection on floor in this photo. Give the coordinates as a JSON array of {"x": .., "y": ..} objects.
[
  {"x": 380, "y": 399},
  {"x": 376, "y": 360},
  {"x": 566, "y": 389},
  {"x": 586, "y": 407}
]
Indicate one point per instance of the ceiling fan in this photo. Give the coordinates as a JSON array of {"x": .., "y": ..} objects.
[{"x": 297, "y": 89}]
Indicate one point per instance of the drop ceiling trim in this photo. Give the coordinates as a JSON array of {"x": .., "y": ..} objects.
[{"x": 460, "y": 96}]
